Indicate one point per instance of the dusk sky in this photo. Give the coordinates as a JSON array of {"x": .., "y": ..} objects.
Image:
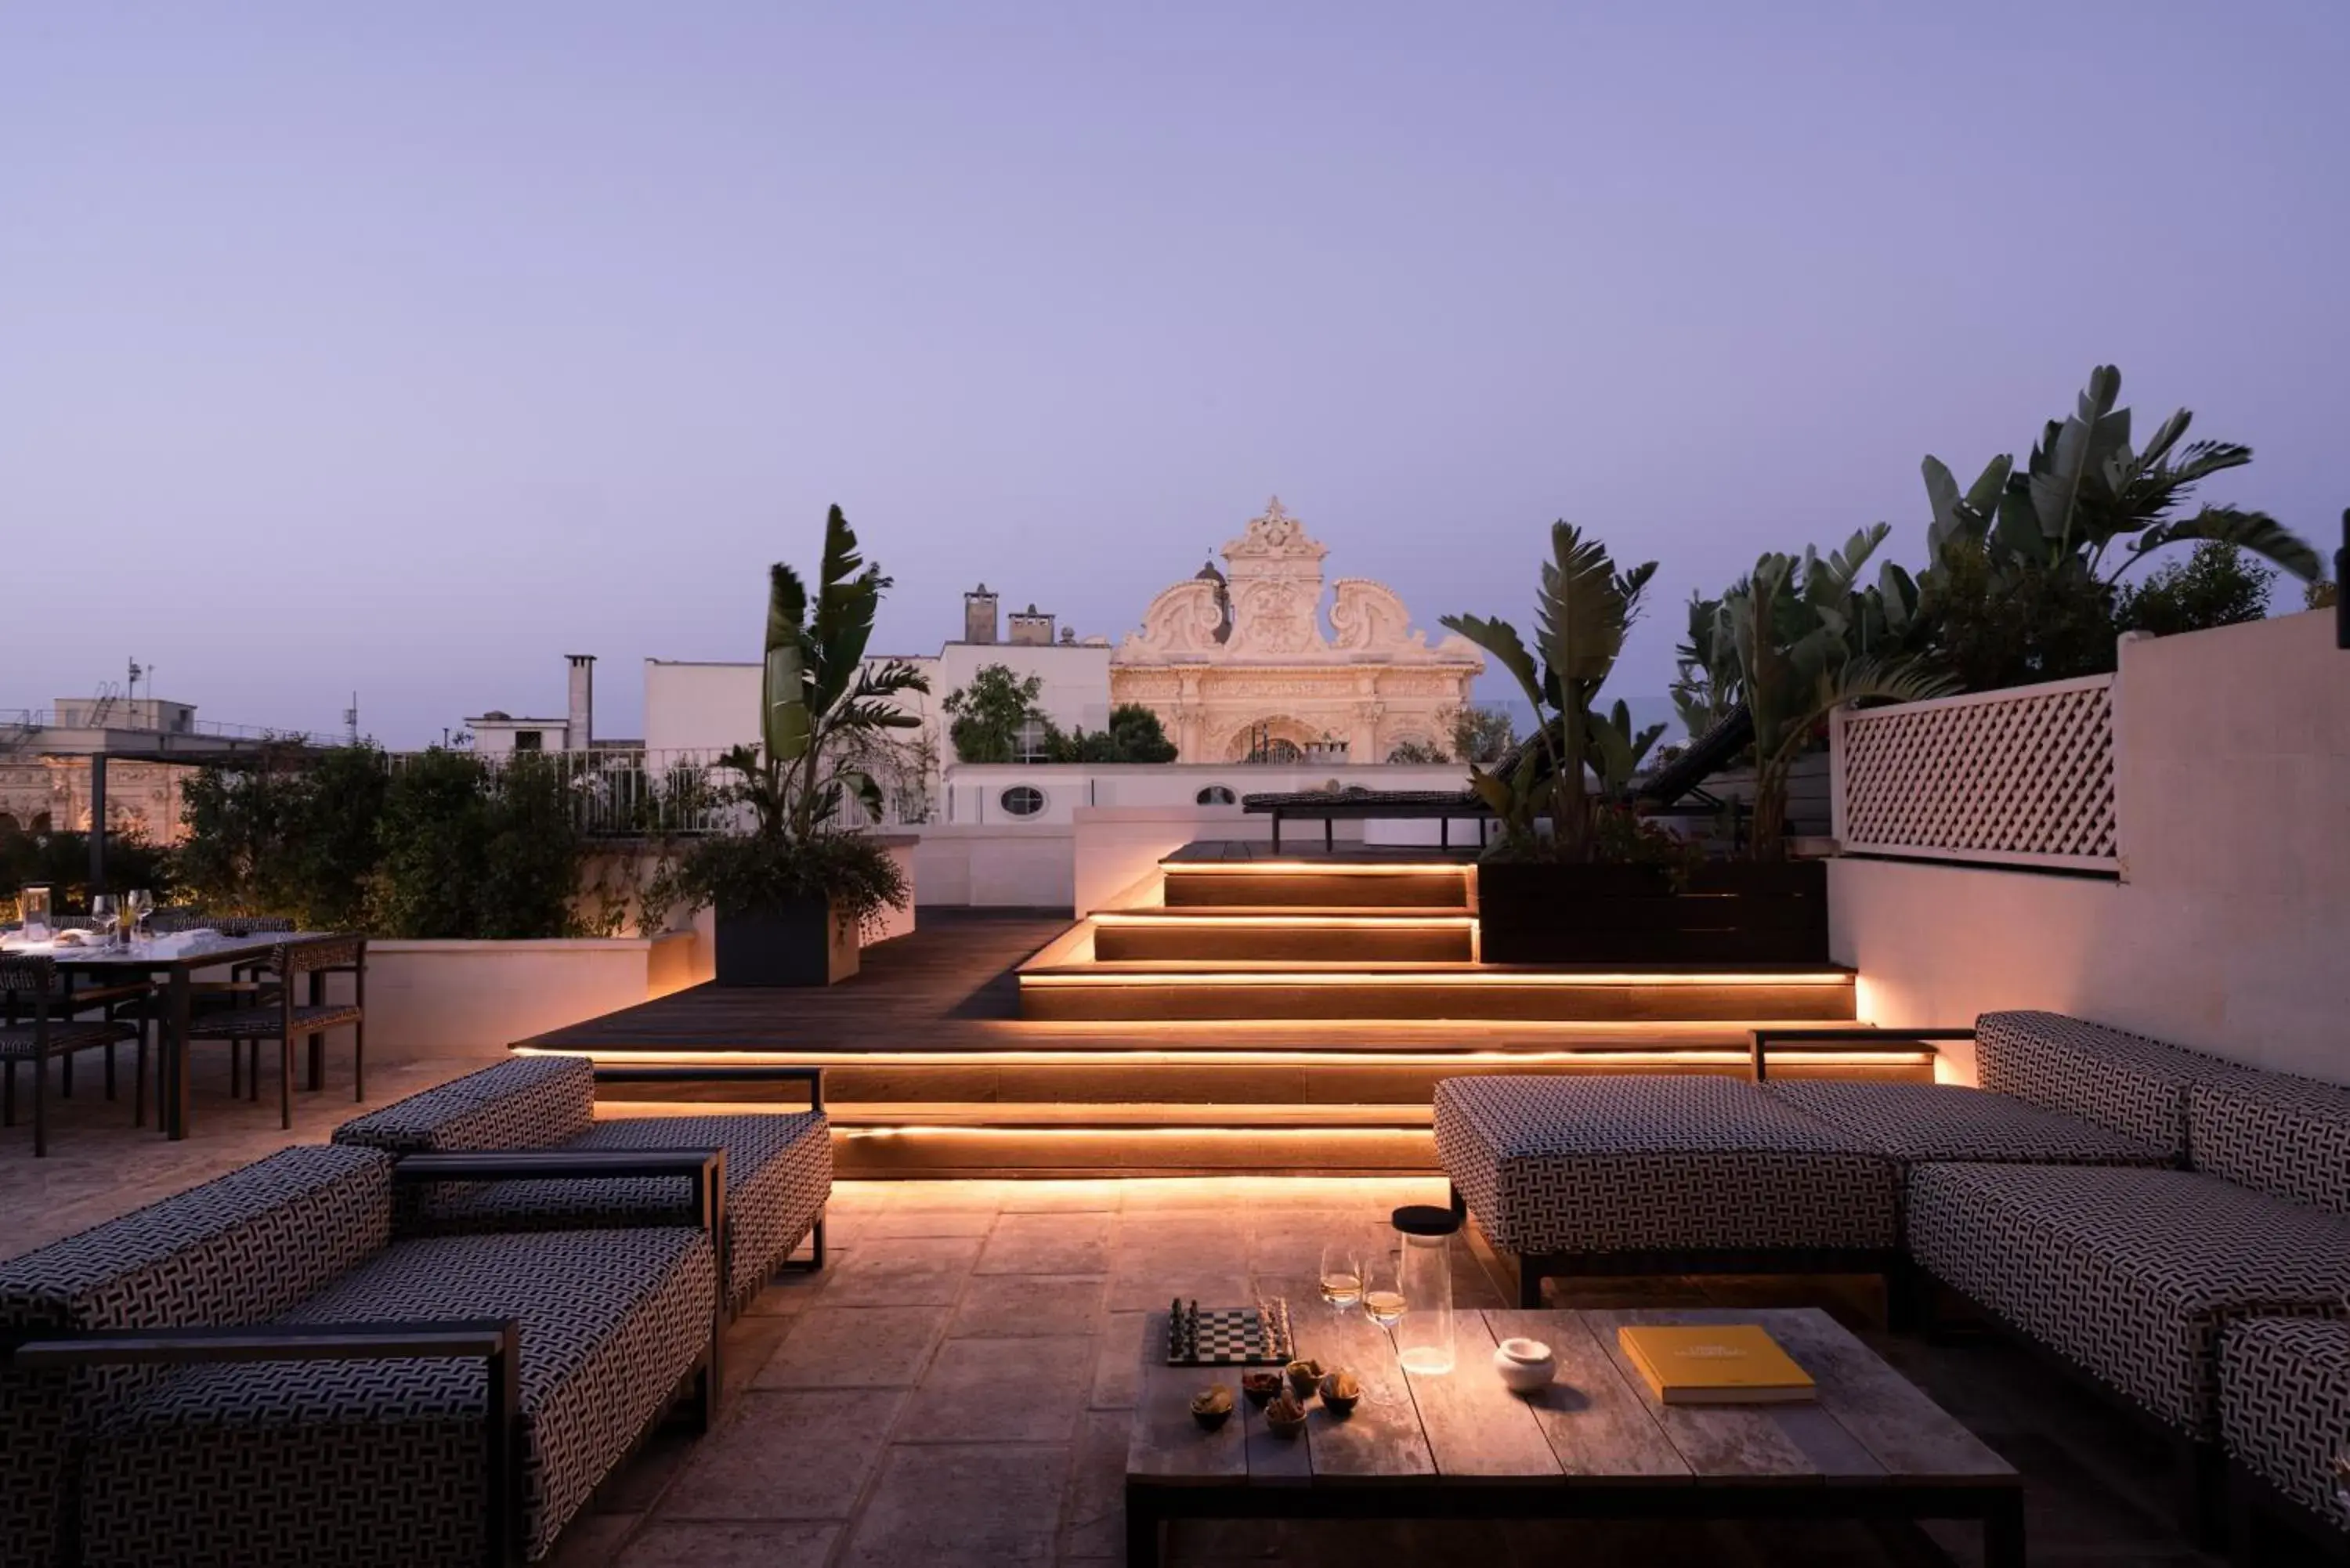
[{"x": 405, "y": 348}]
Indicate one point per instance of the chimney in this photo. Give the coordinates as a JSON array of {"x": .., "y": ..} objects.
[
  {"x": 1032, "y": 628},
  {"x": 979, "y": 616},
  {"x": 581, "y": 716}
]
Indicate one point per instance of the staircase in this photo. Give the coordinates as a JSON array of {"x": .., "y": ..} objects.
[
  {"x": 1367, "y": 940},
  {"x": 1235, "y": 1014}
]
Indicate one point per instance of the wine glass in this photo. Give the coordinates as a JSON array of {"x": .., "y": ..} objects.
[
  {"x": 104, "y": 911},
  {"x": 140, "y": 903},
  {"x": 1383, "y": 1289},
  {"x": 1341, "y": 1274}
]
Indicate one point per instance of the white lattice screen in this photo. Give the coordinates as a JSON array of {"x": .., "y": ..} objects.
[{"x": 2024, "y": 777}]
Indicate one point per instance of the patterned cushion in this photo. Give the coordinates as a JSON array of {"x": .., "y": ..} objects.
[
  {"x": 2133, "y": 1084},
  {"x": 1914, "y": 1123},
  {"x": 1639, "y": 1164},
  {"x": 529, "y": 1102},
  {"x": 240, "y": 1249},
  {"x": 778, "y": 1178},
  {"x": 2286, "y": 1136},
  {"x": 367, "y": 1462},
  {"x": 2284, "y": 1405},
  {"x": 2130, "y": 1274}
]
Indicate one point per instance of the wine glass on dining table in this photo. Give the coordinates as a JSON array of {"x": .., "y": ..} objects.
[
  {"x": 105, "y": 913},
  {"x": 137, "y": 904}
]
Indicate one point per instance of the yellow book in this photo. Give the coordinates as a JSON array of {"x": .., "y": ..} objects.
[{"x": 1714, "y": 1364}]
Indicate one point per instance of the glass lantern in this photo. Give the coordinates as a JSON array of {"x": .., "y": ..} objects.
[
  {"x": 1423, "y": 1336},
  {"x": 33, "y": 911}
]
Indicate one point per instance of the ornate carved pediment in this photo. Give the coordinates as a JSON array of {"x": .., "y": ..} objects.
[
  {"x": 1275, "y": 542},
  {"x": 1181, "y": 623},
  {"x": 1368, "y": 618}
]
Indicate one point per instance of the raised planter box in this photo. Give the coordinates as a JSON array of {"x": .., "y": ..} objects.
[
  {"x": 442, "y": 999},
  {"x": 806, "y": 943},
  {"x": 1729, "y": 911}
]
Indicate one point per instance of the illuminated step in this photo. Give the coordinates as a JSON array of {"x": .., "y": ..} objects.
[
  {"x": 1174, "y": 990},
  {"x": 1292, "y": 884},
  {"x": 914, "y": 1152},
  {"x": 1324, "y": 934}
]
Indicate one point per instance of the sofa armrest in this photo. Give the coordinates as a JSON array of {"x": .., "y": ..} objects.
[
  {"x": 495, "y": 1342},
  {"x": 1760, "y": 1039},
  {"x": 706, "y": 1168},
  {"x": 688, "y": 1073}
]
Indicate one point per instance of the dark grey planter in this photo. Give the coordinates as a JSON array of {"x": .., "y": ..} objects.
[
  {"x": 808, "y": 943},
  {"x": 1728, "y": 911}
]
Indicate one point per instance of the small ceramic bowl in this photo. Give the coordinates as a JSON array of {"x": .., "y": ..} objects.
[
  {"x": 1286, "y": 1417},
  {"x": 1525, "y": 1364},
  {"x": 1259, "y": 1385},
  {"x": 1303, "y": 1375},
  {"x": 1340, "y": 1391},
  {"x": 1211, "y": 1406}
]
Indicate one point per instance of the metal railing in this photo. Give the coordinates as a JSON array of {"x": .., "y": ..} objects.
[{"x": 635, "y": 793}]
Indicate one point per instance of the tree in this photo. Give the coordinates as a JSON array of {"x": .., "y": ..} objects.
[
  {"x": 1797, "y": 664},
  {"x": 1479, "y": 734},
  {"x": 989, "y": 714},
  {"x": 2214, "y": 587},
  {"x": 1793, "y": 640},
  {"x": 2024, "y": 577},
  {"x": 1414, "y": 753},
  {"x": 1134, "y": 735},
  {"x": 1582, "y": 608},
  {"x": 820, "y": 700}
]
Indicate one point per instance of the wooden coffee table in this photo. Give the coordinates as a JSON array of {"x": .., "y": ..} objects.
[{"x": 1595, "y": 1444}]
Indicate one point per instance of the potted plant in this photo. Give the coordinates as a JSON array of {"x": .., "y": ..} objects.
[{"x": 793, "y": 893}]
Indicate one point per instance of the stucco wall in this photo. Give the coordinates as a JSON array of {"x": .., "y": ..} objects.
[
  {"x": 2229, "y": 929},
  {"x": 457, "y": 999}
]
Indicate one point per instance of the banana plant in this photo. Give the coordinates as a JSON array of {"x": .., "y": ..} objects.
[
  {"x": 1620, "y": 748},
  {"x": 818, "y": 694},
  {"x": 1582, "y": 612},
  {"x": 2087, "y": 501},
  {"x": 1796, "y": 665}
]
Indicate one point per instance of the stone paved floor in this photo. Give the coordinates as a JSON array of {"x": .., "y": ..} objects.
[
  {"x": 955, "y": 1390},
  {"x": 99, "y": 1166}
]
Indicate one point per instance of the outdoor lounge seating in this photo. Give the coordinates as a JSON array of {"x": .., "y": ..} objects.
[
  {"x": 778, "y": 1165},
  {"x": 1652, "y": 1174},
  {"x": 261, "y": 1370},
  {"x": 2050, "y": 1198}
]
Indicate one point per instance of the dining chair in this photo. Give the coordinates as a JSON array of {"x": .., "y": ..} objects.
[
  {"x": 53, "y": 1032},
  {"x": 283, "y": 1019}
]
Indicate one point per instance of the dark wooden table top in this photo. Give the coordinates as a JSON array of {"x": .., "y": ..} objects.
[{"x": 1597, "y": 1423}]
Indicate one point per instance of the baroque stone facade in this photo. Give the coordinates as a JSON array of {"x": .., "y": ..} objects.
[
  {"x": 1237, "y": 662},
  {"x": 140, "y": 796}
]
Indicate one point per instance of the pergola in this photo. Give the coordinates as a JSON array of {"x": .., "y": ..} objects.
[{"x": 101, "y": 742}]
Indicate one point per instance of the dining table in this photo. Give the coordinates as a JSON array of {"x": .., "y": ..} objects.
[{"x": 172, "y": 963}]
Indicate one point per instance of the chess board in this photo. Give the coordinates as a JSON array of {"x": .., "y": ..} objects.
[{"x": 1228, "y": 1336}]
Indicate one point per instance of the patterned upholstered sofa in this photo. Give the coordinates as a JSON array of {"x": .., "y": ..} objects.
[
  {"x": 2122, "y": 1202},
  {"x": 255, "y": 1371},
  {"x": 1640, "y": 1175},
  {"x": 778, "y": 1166}
]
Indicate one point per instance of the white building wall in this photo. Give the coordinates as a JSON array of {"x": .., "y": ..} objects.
[
  {"x": 2228, "y": 930},
  {"x": 710, "y": 707}
]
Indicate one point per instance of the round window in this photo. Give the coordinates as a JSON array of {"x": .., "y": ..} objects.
[
  {"x": 1021, "y": 800},
  {"x": 1215, "y": 794}
]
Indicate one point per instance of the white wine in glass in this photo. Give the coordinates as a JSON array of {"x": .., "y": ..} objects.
[
  {"x": 1342, "y": 1276},
  {"x": 1382, "y": 1291}
]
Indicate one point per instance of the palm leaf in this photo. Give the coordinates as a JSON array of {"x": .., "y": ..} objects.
[
  {"x": 1501, "y": 639},
  {"x": 782, "y": 683},
  {"x": 2258, "y": 531}
]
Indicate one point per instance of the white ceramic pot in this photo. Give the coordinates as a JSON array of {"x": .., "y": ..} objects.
[{"x": 1525, "y": 1364}]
